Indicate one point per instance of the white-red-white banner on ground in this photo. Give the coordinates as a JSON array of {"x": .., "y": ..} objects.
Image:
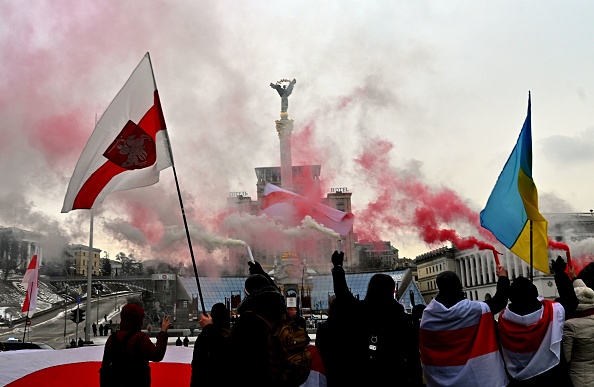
[
  {"x": 293, "y": 208},
  {"x": 128, "y": 148},
  {"x": 30, "y": 282},
  {"x": 49, "y": 368}
]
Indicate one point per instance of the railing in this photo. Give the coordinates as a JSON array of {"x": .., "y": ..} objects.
[{"x": 123, "y": 278}]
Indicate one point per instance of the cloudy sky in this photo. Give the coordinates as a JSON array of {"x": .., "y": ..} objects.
[{"x": 411, "y": 105}]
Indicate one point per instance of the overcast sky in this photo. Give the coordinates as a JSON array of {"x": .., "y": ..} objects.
[{"x": 406, "y": 103}]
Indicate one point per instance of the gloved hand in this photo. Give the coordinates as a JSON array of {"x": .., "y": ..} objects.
[
  {"x": 337, "y": 258},
  {"x": 255, "y": 268},
  {"x": 558, "y": 265}
]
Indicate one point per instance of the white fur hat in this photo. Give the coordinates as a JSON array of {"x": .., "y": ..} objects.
[
  {"x": 584, "y": 294},
  {"x": 578, "y": 283}
]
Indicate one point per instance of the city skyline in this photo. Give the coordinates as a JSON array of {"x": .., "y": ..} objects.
[{"x": 412, "y": 106}]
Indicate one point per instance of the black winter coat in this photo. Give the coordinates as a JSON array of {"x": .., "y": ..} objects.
[
  {"x": 249, "y": 338},
  {"x": 209, "y": 365},
  {"x": 365, "y": 342}
]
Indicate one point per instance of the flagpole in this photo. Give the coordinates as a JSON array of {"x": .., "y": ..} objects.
[
  {"x": 89, "y": 274},
  {"x": 531, "y": 255},
  {"x": 27, "y": 318},
  {"x": 181, "y": 203},
  {"x": 89, "y": 280}
]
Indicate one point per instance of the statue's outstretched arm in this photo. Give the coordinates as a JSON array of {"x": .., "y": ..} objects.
[{"x": 289, "y": 88}]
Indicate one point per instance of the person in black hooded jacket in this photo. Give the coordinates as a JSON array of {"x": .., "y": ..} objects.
[
  {"x": 263, "y": 304},
  {"x": 379, "y": 349},
  {"x": 211, "y": 347},
  {"x": 334, "y": 343}
]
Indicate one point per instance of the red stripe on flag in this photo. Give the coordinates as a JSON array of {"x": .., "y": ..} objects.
[
  {"x": 525, "y": 339},
  {"x": 27, "y": 302},
  {"x": 94, "y": 184},
  {"x": 151, "y": 123},
  {"x": 87, "y": 373},
  {"x": 456, "y": 347},
  {"x": 316, "y": 360},
  {"x": 30, "y": 285},
  {"x": 277, "y": 197}
]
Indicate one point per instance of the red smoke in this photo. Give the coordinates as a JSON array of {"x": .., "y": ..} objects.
[
  {"x": 579, "y": 262},
  {"x": 403, "y": 201},
  {"x": 146, "y": 220}
]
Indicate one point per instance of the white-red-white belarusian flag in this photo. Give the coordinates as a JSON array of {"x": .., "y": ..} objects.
[
  {"x": 128, "y": 148},
  {"x": 458, "y": 346},
  {"x": 30, "y": 281},
  {"x": 293, "y": 208},
  {"x": 531, "y": 344}
]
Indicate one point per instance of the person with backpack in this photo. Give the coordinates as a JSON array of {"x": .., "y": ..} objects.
[
  {"x": 261, "y": 353},
  {"x": 211, "y": 347},
  {"x": 378, "y": 347},
  {"x": 128, "y": 351}
]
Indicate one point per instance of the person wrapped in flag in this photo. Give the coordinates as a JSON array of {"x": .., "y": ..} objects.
[
  {"x": 530, "y": 333},
  {"x": 457, "y": 337}
]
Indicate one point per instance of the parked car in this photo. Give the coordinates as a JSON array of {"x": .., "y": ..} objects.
[{"x": 13, "y": 344}]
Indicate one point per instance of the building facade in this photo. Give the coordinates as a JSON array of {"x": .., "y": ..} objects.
[
  {"x": 477, "y": 268},
  {"x": 17, "y": 247},
  {"x": 81, "y": 259}
]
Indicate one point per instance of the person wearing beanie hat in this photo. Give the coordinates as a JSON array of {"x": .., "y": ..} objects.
[
  {"x": 128, "y": 351},
  {"x": 578, "y": 337},
  {"x": 530, "y": 334},
  {"x": 457, "y": 337},
  {"x": 256, "y": 284}
]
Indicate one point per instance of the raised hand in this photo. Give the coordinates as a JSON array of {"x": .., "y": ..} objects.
[{"x": 337, "y": 258}]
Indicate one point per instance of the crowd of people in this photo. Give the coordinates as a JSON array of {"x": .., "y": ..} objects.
[{"x": 514, "y": 338}]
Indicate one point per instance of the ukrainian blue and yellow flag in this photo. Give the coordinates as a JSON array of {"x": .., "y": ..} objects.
[{"x": 514, "y": 203}]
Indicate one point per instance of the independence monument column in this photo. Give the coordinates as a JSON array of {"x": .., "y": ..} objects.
[{"x": 284, "y": 128}]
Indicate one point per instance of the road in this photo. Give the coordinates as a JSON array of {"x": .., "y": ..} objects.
[{"x": 54, "y": 329}]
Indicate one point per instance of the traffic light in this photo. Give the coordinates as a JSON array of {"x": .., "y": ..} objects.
[{"x": 77, "y": 315}]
